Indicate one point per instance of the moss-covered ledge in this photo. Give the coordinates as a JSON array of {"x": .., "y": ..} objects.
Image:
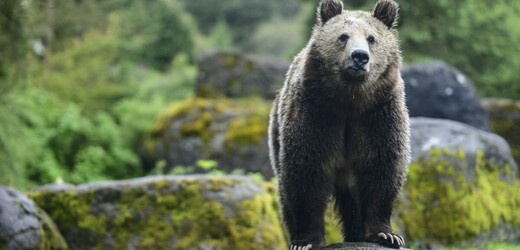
[
  {"x": 165, "y": 212},
  {"x": 442, "y": 206}
]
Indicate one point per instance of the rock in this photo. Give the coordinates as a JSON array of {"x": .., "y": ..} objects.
[
  {"x": 429, "y": 134},
  {"x": 165, "y": 212},
  {"x": 437, "y": 90},
  {"x": 358, "y": 246},
  {"x": 505, "y": 121},
  {"x": 25, "y": 226},
  {"x": 462, "y": 187},
  {"x": 227, "y": 74},
  {"x": 231, "y": 132}
]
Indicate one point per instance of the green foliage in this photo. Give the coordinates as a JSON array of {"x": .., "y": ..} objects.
[
  {"x": 84, "y": 72},
  {"x": 75, "y": 146},
  {"x": 78, "y": 116},
  {"x": 151, "y": 32},
  {"x": 12, "y": 34},
  {"x": 15, "y": 136},
  {"x": 64, "y": 144},
  {"x": 243, "y": 17},
  {"x": 154, "y": 32},
  {"x": 480, "y": 43},
  {"x": 281, "y": 37},
  {"x": 206, "y": 164}
]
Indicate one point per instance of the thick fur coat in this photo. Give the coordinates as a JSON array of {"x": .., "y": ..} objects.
[{"x": 339, "y": 128}]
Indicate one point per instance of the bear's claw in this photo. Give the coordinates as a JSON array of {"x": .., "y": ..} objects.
[
  {"x": 387, "y": 239},
  {"x": 294, "y": 247}
]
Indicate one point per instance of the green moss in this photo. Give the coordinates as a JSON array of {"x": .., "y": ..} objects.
[
  {"x": 71, "y": 212},
  {"x": 510, "y": 131},
  {"x": 250, "y": 128},
  {"x": 490, "y": 246},
  {"x": 159, "y": 218},
  {"x": 443, "y": 207},
  {"x": 332, "y": 230},
  {"x": 50, "y": 236},
  {"x": 247, "y": 124},
  {"x": 229, "y": 60},
  {"x": 504, "y": 122},
  {"x": 3, "y": 245}
]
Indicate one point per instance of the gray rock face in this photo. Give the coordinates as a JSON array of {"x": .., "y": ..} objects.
[
  {"x": 428, "y": 134},
  {"x": 225, "y": 74},
  {"x": 437, "y": 90},
  {"x": 25, "y": 226}
]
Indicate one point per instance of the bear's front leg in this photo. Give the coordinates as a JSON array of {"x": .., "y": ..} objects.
[
  {"x": 382, "y": 171},
  {"x": 304, "y": 181}
]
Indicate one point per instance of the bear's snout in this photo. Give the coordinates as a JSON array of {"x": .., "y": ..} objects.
[
  {"x": 360, "y": 58},
  {"x": 358, "y": 65}
]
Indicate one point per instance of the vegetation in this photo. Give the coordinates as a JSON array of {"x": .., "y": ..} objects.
[{"x": 81, "y": 82}]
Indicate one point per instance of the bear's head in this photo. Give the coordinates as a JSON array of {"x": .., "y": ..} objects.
[{"x": 357, "y": 46}]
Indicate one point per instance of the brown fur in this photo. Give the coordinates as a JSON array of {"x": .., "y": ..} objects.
[{"x": 332, "y": 133}]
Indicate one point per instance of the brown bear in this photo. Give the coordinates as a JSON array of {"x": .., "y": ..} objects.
[{"x": 339, "y": 128}]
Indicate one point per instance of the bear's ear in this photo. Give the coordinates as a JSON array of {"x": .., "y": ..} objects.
[
  {"x": 329, "y": 9},
  {"x": 387, "y": 12}
]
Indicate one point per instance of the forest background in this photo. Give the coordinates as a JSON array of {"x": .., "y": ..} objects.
[{"x": 82, "y": 82}]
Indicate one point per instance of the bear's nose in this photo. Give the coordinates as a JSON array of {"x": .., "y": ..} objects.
[{"x": 360, "y": 57}]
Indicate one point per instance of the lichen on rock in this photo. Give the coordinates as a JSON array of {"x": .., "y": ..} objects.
[
  {"x": 231, "y": 132},
  {"x": 238, "y": 75},
  {"x": 442, "y": 206},
  {"x": 188, "y": 212}
]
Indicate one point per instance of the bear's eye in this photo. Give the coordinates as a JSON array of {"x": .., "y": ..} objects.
[
  {"x": 343, "y": 38},
  {"x": 371, "y": 39}
]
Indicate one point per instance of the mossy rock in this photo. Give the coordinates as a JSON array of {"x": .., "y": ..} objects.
[
  {"x": 23, "y": 225},
  {"x": 429, "y": 134},
  {"x": 238, "y": 75},
  {"x": 505, "y": 121},
  {"x": 442, "y": 206},
  {"x": 165, "y": 212},
  {"x": 231, "y": 132}
]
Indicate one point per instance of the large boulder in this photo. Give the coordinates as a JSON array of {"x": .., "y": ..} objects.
[
  {"x": 430, "y": 134},
  {"x": 462, "y": 187},
  {"x": 437, "y": 90},
  {"x": 233, "y": 133},
  {"x": 23, "y": 225},
  {"x": 505, "y": 121},
  {"x": 232, "y": 75},
  {"x": 165, "y": 212}
]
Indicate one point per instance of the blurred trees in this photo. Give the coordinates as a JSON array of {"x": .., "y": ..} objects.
[
  {"x": 11, "y": 36},
  {"x": 478, "y": 37},
  {"x": 242, "y": 17},
  {"x": 79, "y": 114}
]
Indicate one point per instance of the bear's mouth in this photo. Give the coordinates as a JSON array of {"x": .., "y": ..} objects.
[{"x": 356, "y": 71}]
